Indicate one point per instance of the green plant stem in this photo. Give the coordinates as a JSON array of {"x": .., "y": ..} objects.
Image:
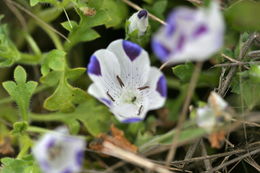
[
  {"x": 25, "y": 146},
  {"x": 35, "y": 129},
  {"x": 33, "y": 45},
  {"x": 29, "y": 59},
  {"x": 54, "y": 37}
]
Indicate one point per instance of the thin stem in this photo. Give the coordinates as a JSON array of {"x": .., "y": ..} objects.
[
  {"x": 133, "y": 5},
  {"x": 35, "y": 129},
  {"x": 182, "y": 118}
]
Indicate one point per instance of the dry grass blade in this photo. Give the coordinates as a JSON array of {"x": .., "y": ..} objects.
[
  {"x": 115, "y": 151},
  {"x": 193, "y": 82},
  {"x": 234, "y": 160}
]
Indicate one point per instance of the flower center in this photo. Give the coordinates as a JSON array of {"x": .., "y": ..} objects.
[{"x": 129, "y": 96}]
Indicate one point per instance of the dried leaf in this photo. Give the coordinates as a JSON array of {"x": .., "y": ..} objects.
[
  {"x": 6, "y": 146},
  {"x": 116, "y": 137},
  {"x": 216, "y": 139}
]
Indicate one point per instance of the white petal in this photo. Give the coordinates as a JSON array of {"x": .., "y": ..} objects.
[
  {"x": 106, "y": 78},
  {"x": 205, "y": 118},
  {"x": 157, "y": 89},
  {"x": 100, "y": 94},
  {"x": 66, "y": 157},
  {"x": 130, "y": 112},
  {"x": 217, "y": 102},
  {"x": 137, "y": 23},
  {"x": 134, "y": 66}
]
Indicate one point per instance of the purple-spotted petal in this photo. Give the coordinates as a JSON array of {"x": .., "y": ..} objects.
[
  {"x": 160, "y": 50},
  {"x": 79, "y": 157},
  {"x": 131, "y": 49},
  {"x": 106, "y": 101},
  {"x": 190, "y": 34},
  {"x": 94, "y": 66},
  {"x": 162, "y": 86},
  {"x": 132, "y": 120},
  {"x": 142, "y": 13},
  {"x": 67, "y": 170},
  {"x": 57, "y": 152},
  {"x": 202, "y": 29}
]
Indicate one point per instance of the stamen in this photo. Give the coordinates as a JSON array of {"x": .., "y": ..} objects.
[
  {"x": 140, "y": 110},
  {"x": 144, "y": 87},
  {"x": 110, "y": 96},
  {"x": 120, "y": 81},
  {"x": 133, "y": 99}
]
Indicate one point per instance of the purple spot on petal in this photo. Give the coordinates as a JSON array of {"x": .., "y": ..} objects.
[
  {"x": 160, "y": 50},
  {"x": 170, "y": 29},
  {"x": 79, "y": 157},
  {"x": 132, "y": 120},
  {"x": 106, "y": 101},
  {"x": 200, "y": 30},
  {"x": 94, "y": 66},
  {"x": 44, "y": 165},
  {"x": 142, "y": 13},
  {"x": 131, "y": 49},
  {"x": 67, "y": 170},
  {"x": 50, "y": 143},
  {"x": 180, "y": 42},
  {"x": 162, "y": 86}
]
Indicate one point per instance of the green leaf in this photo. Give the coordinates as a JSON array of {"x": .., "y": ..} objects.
[
  {"x": 247, "y": 85},
  {"x": 64, "y": 98},
  {"x": 9, "y": 54},
  {"x": 206, "y": 78},
  {"x": 69, "y": 25},
  {"x": 117, "y": 12},
  {"x": 24, "y": 165},
  {"x": 54, "y": 60},
  {"x": 20, "y": 75},
  {"x": 95, "y": 117},
  {"x": 244, "y": 15},
  {"x": 21, "y": 91}
]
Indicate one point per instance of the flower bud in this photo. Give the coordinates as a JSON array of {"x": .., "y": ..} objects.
[{"x": 139, "y": 21}]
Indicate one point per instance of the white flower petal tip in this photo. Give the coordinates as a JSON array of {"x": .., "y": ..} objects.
[
  {"x": 217, "y": 101},
  {"x": 138, "y": 21},
  {"x": 125, "y": 81},
  {"x": 214, "y": 114},
  {"x": 58, "y": 152},
  {"x": 205, "y": 118},
  {"x": 190, "y": 35}
]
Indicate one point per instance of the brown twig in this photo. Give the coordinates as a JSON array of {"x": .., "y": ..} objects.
[
  {"x": 133, "y": 5},
  {"x": 234, "y": 160},
  {"x": 207, "y": 162},
  {"x": 225, "y": 85},
  {"x": 192, "y": 85},
  {"x": 17, "y": 13},
  {"x": 236, "y": 64}
]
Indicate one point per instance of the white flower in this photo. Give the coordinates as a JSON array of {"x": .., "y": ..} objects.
[
  {"x": 125, "y": 81},
  {"x": 138, "y": 21},
  {"x": 190, "y": 34},
  {"x": 213, "y": 114},
  {"x": 58, "y": 152}
]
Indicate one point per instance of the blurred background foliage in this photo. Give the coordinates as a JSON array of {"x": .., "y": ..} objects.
[{"x": 43, "y": 78}]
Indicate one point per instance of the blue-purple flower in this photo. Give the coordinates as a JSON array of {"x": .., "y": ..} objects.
[
  {"x": 138, "y": 21},
  {"x": 190, "y": 34},
  {"x": 58, "y": 152},
  {"x": 125, "y": 81}
]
